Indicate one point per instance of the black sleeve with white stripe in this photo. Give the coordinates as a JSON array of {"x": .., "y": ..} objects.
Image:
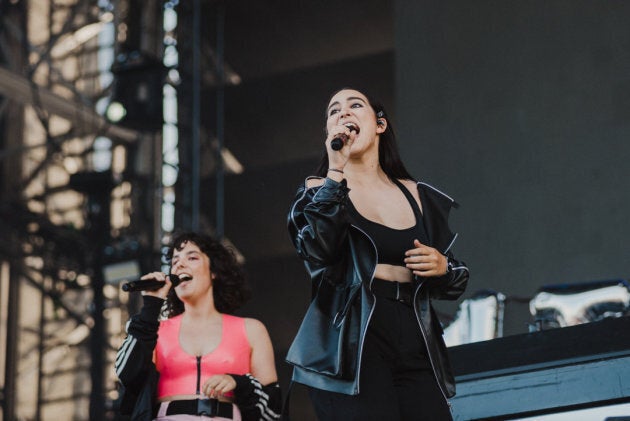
[
  {"x": 135, "y": 355},
  {"x": 255, "y": 401}
]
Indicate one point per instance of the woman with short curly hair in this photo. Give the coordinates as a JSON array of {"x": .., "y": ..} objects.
[
  {"x": 230, "y": 288},
  {"x": 210, "y": 362}
]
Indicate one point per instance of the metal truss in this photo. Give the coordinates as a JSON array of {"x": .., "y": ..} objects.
[
  {"x": 69, "y": 204},
  {"x": 79, "y": 194}
]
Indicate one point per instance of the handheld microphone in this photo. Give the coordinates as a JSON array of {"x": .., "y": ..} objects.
[
  {"x": 338, "y": 142},
  {"x": 149, "y": 284}
]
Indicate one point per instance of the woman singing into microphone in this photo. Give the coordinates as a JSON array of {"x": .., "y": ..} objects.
[
  {"x": 211, "y": 364},
  {"x": 377, "y": 246}
]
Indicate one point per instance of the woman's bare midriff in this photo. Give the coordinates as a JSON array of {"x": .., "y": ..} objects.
[{"x": 392, "y": 273}]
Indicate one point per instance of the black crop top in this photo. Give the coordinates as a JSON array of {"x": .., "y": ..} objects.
[{"x": 391, "y": 244}]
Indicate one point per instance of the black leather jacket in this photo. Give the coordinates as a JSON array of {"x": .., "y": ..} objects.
[{"x": 341, "y": 259}]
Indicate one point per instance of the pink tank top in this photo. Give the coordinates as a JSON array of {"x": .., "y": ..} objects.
[{"x": 184, "y": 374}]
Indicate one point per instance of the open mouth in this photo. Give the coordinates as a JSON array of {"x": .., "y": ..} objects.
[
  {"x": 352, "y": 127},
  {"x": 184, "y": 278}
]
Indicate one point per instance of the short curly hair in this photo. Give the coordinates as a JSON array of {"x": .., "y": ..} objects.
[{"x": 229, "y": 287}]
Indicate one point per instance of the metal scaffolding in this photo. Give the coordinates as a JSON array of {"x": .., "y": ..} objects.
[
  {"x": 82, "y": 192},
  {"x": 78, "y": 197}
]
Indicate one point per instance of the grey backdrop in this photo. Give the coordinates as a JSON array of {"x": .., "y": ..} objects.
[{"x": 521, "y": 111}]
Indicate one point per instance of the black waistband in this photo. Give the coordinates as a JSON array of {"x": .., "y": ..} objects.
[
  {"x": 399, "y": 291},
  {"x": 208, "y": 407}
]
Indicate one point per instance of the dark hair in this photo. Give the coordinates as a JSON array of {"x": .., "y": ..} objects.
[
  {"x": 388, "y": 155},
  {"x": 229, "y": 288}
]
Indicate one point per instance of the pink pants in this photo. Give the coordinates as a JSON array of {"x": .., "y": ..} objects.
[{"x": 161, "y": 415}]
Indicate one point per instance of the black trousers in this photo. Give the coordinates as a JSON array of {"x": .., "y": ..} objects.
[{"x": 397, "y": 382}]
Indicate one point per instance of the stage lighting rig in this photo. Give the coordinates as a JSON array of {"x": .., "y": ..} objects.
[{"x": 136, "y": 100}]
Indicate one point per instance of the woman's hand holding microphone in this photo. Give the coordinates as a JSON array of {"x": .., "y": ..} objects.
[{"x": 338, "y": 143}]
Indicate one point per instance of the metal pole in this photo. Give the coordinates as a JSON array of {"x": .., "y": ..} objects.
[
  {"x": 40, "y": 351},
  {"x": 11, "y": 357},
  {"x": 97, "y": 187},
  {"x": 196, "y": 114},
  {"x": 99, "y": 231},
  {"x": 220, "y": 222}
]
